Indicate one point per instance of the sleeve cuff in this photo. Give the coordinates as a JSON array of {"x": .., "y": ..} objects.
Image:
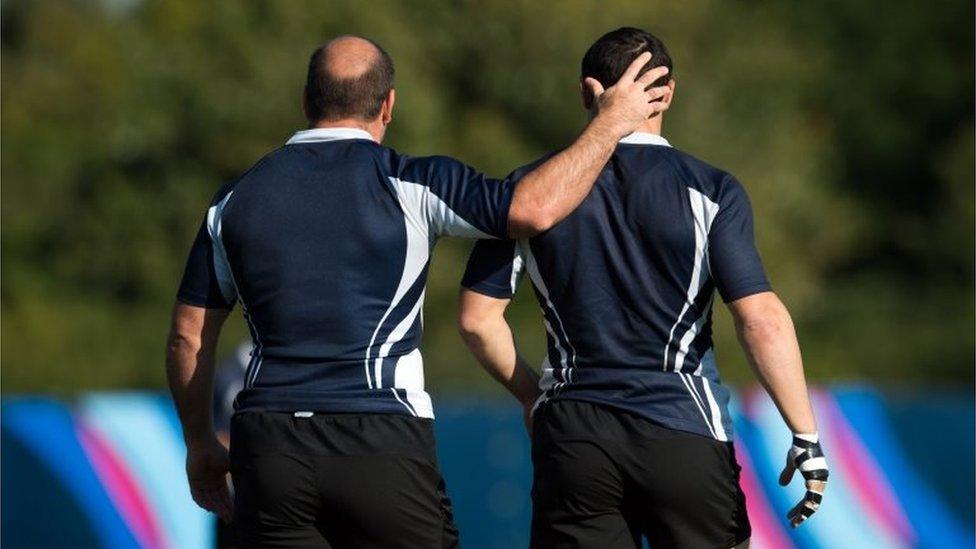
[{"x": 490, "y": 290}]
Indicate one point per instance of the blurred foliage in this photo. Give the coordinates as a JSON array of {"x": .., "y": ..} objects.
[{"x": 850, "y": 123}]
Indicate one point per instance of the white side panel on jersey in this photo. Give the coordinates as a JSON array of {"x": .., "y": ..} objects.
[
  {"x": 427, "y": 206},
  {"x": 689, "y": 384},
  {"x": 396, "y": 336},
  {"x": 228, "y": 287},
  {"x": 715, "y": 411},
  {"x": 566, "y": 357},
  {"x": 409, "y": 372},
  {"x": 221, "y": 268},
  {"x": 409, "y": 375},
  {"x": 703, "y": 211},
  {"x": 679, "y": 357},
  {"x": 418, "y": 254}
]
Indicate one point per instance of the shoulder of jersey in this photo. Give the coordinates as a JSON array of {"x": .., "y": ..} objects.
[{"x": 693, "y": 167}]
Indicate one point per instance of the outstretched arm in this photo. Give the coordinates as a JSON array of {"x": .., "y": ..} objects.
[
  {"x": 766, "y": 333},
  {"x": 553, "y": 190},
  {"x": 481, "y": 321},
  {"x": 190, "y": 358}
]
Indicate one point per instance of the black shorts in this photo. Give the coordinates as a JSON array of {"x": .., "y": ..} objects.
[
  {"x": 604, "y": 478},
  {"x": 338, "y": 480}
]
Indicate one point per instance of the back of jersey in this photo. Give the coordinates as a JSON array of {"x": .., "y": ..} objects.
[
  {"x": 626, "y": 285},
  {"x": 326, "y": 244}
]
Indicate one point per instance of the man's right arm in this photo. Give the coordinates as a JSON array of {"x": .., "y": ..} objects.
[
  {"x": 445, "y": 197},
  {"x": 549, "y": 193}
]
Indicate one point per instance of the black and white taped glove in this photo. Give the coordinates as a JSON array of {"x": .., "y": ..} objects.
[{"x": 807, "y": 456}]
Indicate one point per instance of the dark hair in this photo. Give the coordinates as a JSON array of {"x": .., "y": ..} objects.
[
  {"x": 612, "y": 53},
  {"x": 329, "y": 97}
]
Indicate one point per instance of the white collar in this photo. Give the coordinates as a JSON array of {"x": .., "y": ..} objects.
[
  {"x": 318, "y": 135},
  {"x": 644, "y": 138}
]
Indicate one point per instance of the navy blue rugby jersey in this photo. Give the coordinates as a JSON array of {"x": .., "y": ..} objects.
[
  {"x": 326, "y": 244},
  {"x": 626, "y": 285}
]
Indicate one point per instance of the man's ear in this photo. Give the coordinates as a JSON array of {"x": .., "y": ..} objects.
[
  {"x": 586, "y": 95},
  {"x": 386, "y": 113},
  {"x": 668, "y": 97}
]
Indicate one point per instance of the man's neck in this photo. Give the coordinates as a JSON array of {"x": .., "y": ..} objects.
[
  {"x": 652, "y": 125},
  {"x": 375, "y": 128}
]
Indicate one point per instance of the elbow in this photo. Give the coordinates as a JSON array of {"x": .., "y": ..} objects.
[
  {"x": 470, "y": 327},
  {"x": 529, "y": 222},
  {"x": 474, "y": 328},
  {"x": 769, "y": 325},
  {"x": 760, "y": 329},
  {"x": 180, "y": 344}
]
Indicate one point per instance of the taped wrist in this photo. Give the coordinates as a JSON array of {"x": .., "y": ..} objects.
[{"x": 808, "y": 457}]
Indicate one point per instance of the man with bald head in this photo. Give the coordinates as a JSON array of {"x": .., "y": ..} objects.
[{"x": 326, "y": 243}]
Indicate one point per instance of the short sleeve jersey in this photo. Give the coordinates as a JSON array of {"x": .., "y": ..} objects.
[
  {"x": 326, "y": 243},
  {"x": 626, "y": 285}
]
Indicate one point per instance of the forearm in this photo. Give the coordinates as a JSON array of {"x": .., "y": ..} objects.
[
  {"x": 190, "y": 359},
  {"x": 552, "y": 191},
  {"x": 769, "y": 341},
  {"x": 493, "y": 345}
]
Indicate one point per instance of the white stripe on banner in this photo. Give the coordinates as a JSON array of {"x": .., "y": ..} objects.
[
  {"x": 568, "y": 362},
  {"x": 703, "y": 210}
]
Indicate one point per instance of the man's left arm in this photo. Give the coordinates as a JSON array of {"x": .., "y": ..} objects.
[{"x": 768, "y": 338}]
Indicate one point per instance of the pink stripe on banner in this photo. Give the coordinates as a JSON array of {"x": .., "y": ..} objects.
[
  {"x": 122, "y": 489},
  {"x": 766, "y": 530},
  {"x": 864, "y": 477}
]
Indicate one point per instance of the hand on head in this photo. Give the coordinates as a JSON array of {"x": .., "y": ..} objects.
[{"x": 629, "y": 102}]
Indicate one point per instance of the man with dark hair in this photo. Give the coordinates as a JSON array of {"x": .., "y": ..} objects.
[
  {"x": 632, "y": 434},
  {"x": 326, "y": 243}
]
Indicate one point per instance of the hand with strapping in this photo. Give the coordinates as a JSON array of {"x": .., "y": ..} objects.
[{"x": 807, "y": 456}]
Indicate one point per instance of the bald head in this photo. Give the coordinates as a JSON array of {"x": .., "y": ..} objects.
[{"x": 348, "y": 77}]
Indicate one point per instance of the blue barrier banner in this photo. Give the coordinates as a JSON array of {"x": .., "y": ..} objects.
[{"x": 106, "y": 471}]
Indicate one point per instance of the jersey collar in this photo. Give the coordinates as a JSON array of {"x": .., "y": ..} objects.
[
  {"x": 318, "y": 135},
  {"x": 644, "y": 138}
]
